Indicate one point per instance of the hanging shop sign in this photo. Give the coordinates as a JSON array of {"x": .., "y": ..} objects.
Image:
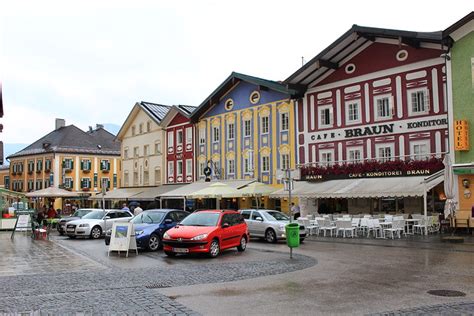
[
  {"x": 371, "y": 174},
  {"x": 461, "y": 135}
]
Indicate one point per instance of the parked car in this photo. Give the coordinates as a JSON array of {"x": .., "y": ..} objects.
[
  {"x": 207, "y": 232},
  {"x": 150, "y": 225},
  {"x": 78, "y": 214},
  {"x": 93, "y": 224},
  {"x": 268, "y": 224}
]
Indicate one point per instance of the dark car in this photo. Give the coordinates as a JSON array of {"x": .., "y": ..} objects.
[
  {"x": 150, "y": 225},
  {"x": 77, "y": 215}
]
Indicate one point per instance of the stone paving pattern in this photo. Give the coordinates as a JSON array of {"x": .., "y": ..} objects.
[
  {"x": 440, "y": 309},
  {"x": 112, "y": 290}
]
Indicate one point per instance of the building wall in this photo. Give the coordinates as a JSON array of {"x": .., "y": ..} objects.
[
  {"x": 4, "y": 177},
  {"x": 182, "y": 153},
  {"x": 258, "y": 144},
  {"x": 138, "y": 165},
  {"x": 376, "y": 74}
]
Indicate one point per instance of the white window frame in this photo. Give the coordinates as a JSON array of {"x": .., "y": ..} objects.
[
  {"x": 285, "y": 121},
  {"x": 231, "y": 131},
  {"x": 248, "y": 132},
  {"x": 170, "y": 169},
  {"x": 360, "y": 149},
  {"x": 89, "y": 183},
  {"x": 126, "y": 180},
  {"x": 323, "y": 154},
  {"x": 178, "y": 164},
  {"x": 148, "y": 126},
  {"x": 331, "y": 116},
  {"x": 418, "y": 143},
  {"x": 68, "y": 182},
  {"x": 202, "y": 165},
  {"x": 158, "y": 147},
  {"x": 189, "y": 167},
  {"x": 125, "y": 153},
  {"x": 157, "y": 175},
  {"x": 384, "y": 145},
  {"x": 189, "y": 135},
  {"x": 231, "y": 166},
  {"x": 426, "y": 101},
  {"x": 146, "y": 150},
  {"x": 179, "y": 137},
  {"x": 390, "y": 106},
  {"x": 358, "y": 103},
  {"x": 247, "y": 165},
  {"x": 285, "y": 161},
  {"x": 265, "y": 123},
  {"x": 171, "y": 139},
  {"x": 215, "y": 134},
  {"x": 202, "y": 136},
  {"x": 265, "y": 163}
]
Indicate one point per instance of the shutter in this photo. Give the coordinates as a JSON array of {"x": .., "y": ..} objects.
[
  {"x": 72, "y": 164},
  {"x": 89, "y": 184},
  {"x": 72, "y": 184},
  {"x": 64, "y": 163},
  {"x": 82, "y": 164},
  {"x": 108, "y": 165},
  {"x": 331, "y": 116}
]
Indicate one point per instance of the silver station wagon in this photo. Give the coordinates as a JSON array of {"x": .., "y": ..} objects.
[{"x": 268, "y": 224}]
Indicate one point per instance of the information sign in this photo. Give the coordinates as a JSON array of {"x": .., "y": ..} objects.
[{"x": 123, "y": 238}]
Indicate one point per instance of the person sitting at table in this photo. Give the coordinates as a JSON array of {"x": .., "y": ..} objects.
[{"x": 51, "y": 212}]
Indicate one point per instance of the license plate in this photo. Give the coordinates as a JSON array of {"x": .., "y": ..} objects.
[
  {"x": 70, "y": 229},
  {"x": 181, "y": 250}
]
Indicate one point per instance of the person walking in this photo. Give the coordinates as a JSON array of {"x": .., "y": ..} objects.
[
  {"x": 125, "y": 207},
  {"x": 137, "y": 210},
  {"x": 295, "y": 211}
]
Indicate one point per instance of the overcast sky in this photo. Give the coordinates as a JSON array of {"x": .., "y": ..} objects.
[{"x": 90, "y": 61}]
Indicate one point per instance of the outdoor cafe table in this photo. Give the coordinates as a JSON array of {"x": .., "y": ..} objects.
[
  {"x": 384, "y": 226},
  {"x": 409, "y": 223}
]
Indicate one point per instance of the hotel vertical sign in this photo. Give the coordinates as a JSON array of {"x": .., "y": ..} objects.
[{"x": 461, "y": 135}]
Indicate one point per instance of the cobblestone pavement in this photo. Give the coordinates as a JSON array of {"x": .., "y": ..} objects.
[
  {"x": 439, "y": 309},
  {"x": 106, "y": 288}
]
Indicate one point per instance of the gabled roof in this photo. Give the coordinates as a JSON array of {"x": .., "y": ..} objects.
[
  {"x": 71, "y": 139},
  {"x": 236, "y": 77},
  {"x": 456, "y": 26},
  {"x": 355, "y": 38},
  {"x": 185, "y": 110}
]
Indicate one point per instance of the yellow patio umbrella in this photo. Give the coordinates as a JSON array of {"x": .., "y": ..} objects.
[
  {"x": 216, "y": 191},
  {"x": 257, "y": 189}
]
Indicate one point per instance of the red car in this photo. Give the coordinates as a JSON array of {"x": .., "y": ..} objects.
[{"x": 207, "y": 232}]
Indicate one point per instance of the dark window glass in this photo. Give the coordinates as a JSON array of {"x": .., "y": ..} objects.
[{"x": 246, "y": 214}]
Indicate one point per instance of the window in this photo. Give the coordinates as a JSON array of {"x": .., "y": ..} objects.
[
  {"x": 326, "y": 157},
  {"x": 246, "y": 214},
  {"x": 47, "y": 165},
  {"x": 285, "y": 121},
  {"x": 31, "y": 185},
  {"x": 231, "y": 166},
  {"x": 189, "y": 135},
  {"x": 215, "y": 134},
  {"x": 170, "y": 139},
  {"x": 136, "y": 152},
  {"x": 230, "y": 131},
  {"x": 39, "y": 184},
  {"x": 134, "y": 130},
  {"x": 146, "y": 150},
  {"x": 105, "y": 165},
  {"x": 353, "y": 111},
  {"x": 47, "y": 183},
  {"x": 285, "y": 161},
  {"x": 189, "y": 167},
  {"x": 383, "y": 106},
  {"x": 418, "y": 101},
  {"x": 68, "y": 183},
  {"x": 264, "y": 124},
  {"x": 135, "y": 178},
  {"x": 384, "y": 152},
  {"x": 105, "y": 183},
  {"x": 146, "y": 177},
  {"x": 179, "y": 167},
  {"x": 148, "y": 126},
  {"x": 202, "y": 136},
  {"x": 39, "y": 165},
  {"x": 86, "y": 165},
  {"x": 325, "y": 116},
  {"x": 255, "y": 215},
  {"x": 140, "y": 128},
  {"x": 157, "y": 147},
  {"x": 202, "y": 165},
  {"x": 31, "y": 166},
  {"x": 170, "y": 168},
  {"x": 125, "y": 153},
  {"x": 157, "y": 175},
  {"x": 179, "y": 137},
  {"x": 247, "y": 128},
  {"x": 247, "y": 165},
  {"x": 68, "y": 163},
  {"x": 85, "y": 183},
  {"x": 420, "y": 150},
  {"x": 265, "y": 164},
  {"x": 126, "y": 179},
  {"x": 354, "y": 155}
]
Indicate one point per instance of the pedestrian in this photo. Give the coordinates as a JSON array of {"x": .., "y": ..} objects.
[
  {"x": 137, "y": 210},
  {"x": 295, "y": 211},
  {"x": 125, "y": 207},
  {"x": 51, "y": 212}
]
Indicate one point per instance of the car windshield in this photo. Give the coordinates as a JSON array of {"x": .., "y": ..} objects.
[
  {"x": 276, "y": 216},
  {"x": 80, "y": 213},
  {"x": 94, "y": 215},
  {"x": 148, "y": 218},
  {"x": 201, "y": 219}
]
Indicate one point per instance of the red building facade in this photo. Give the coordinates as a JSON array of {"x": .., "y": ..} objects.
[{"x": 179, "y": 146}]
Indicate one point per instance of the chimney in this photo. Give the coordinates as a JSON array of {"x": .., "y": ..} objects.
[
  {"x": 60, "y": 123},
  {"x": 90, "y": 129},
  {"x": 97, "y": 126}
]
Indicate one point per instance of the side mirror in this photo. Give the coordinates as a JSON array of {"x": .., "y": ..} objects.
[
  {"x": 225, "y": 225},
  {"x": 259, "y": 219},
  {"x": 168, "y": 221},
  {"x": 107, "y": 217}
]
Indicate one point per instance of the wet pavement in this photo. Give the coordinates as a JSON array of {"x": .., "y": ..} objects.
[{"x": 327, "y": 276}]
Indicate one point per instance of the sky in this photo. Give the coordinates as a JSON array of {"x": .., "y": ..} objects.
[{"x": 90, "y": 61}]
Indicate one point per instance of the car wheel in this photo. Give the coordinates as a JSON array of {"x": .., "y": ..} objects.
[
  {"x": 61, "y": 233},
  {"x": 96, "y": 232},
  {"x": 170, "y": 253},
  {"x": 301, "y": 240},
  {"x": 214, "y": 249},
  {"x": 154, "y": 243},
  {"x": 270, "y": 236},
  {"x": 243, "y": 244}
]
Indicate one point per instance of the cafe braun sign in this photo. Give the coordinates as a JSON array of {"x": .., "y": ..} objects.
[{"x": 461, "y": 135}]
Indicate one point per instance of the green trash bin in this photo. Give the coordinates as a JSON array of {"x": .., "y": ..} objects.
[{"x": 293, "y": 235}]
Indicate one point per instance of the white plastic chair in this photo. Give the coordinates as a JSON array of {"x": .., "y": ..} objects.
[
  {"x": 420, "y": 227},
  {"x": 325, "y": 225}
]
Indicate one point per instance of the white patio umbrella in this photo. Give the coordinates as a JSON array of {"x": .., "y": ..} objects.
[
  {"x": 52, "y": 192},
  {"x": 257, "y": 189},
  {"x": 216, "y": 191},
  {"x": 450, "y": 205}
]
